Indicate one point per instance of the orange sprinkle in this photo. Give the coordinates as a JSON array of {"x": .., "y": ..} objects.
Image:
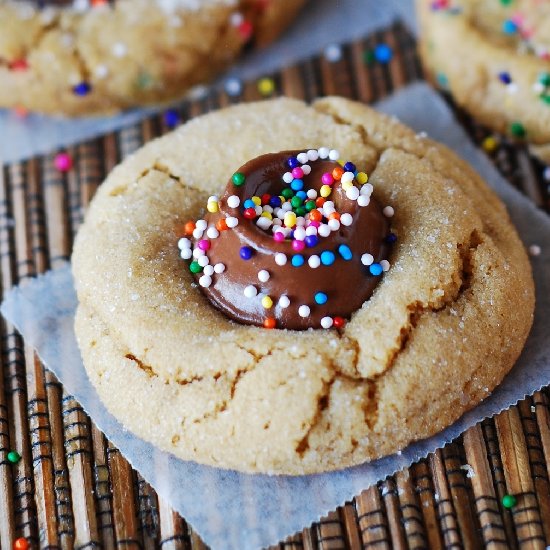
[
  {"x": 21, "y": 544},
  {"x": 334, "y": 216},
  {"x": 315, "y": 216},
  {"x": 221, "y": 225},
  {"x": 270, "y": 323},
  {"x": 189, "y": 227},
  {"x": 319, "y": 201},
  {"x": 337, "y": 173}
]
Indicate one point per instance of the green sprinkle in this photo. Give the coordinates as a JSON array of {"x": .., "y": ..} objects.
[
  {"x": 287, "y": 193},
  {"x": 517, "y": 129},
  {"x": 509, "y": 501},
  {"x": 300, "y": 211},
  {"x": 310, "y": 205},
  {"x": 238, "y": 178},
  {"x": 506, "y": 2},
  {"x": 144, "y": 81},
  {"x": 544, "y": 79},
  {"x": 442, "y": 80},
  {"x": 14, "y": 457},
  {"x": 195, "y": 267},
  {"x": 368, "y": 57},
  {"x": 296, "y": 202},
  {"x": 545, "y": 98}
]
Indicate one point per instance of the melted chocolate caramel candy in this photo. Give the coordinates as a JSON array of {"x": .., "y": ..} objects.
[{"x": 312, "y": 275}]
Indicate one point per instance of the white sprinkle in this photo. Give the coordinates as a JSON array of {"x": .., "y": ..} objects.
[
  {"x": 346, "y": 219},
  {"x": 367, "y": 259},
  {"x": 201, "y": 224},
  {"x": 323, "y": 152},
  {"x": 347, "y": 177},
  {"x": 203, "y": 261},
  {"x": 323, "y": 230},
  {"x": 284, "y": 301},
  {"x": 233, "y": 201},
  {"x": 264, "y": 223},
  {"x": 263, "y": 276},
  {"x": 385, "y": 265},
  {"x": 288, "y": 177},
  {"x": 333, "y": 53},
  {"x": 326, "y": 322},
  {"x": 197, "y": 233},
  {"x": 388, "y": 211},
  {"x": 312, "y": 154},
  {"x": 236, "y": 19},
  {"x": 250, "y": 291},
  {"x": 302, "y": 158},
  {"x": 304, "y": 311},
  {"x": 233, "y": 87},
  {"x": 280, "y": 258},
  {"x": 184, "y": 243},
  {"x": 311, "y": 230},
  {"x": 119, "y": 49},
  {"x": 212, "y": 232},
  {"x": 219, "y": 268},
  {"x": 367, "y": 189},
  {"x": 311, "y": 194},
  {"x": 333, "y": 154},
  {"x": 546, "y": 173},
  {"x": 134, "y": 297},
  {"x": 334, "y": 225},
  {"x": 101, "y": 71},
  {"x": 186, "y": 253},
  {"x": 306, "y": 168},
  {"x": 512, "y": 88},
  {"x": 286, "y": 206},
  {"x": 363, "y": 200},
  {"x": 205, "y": 281},
  {"x": 267, "y": 208},
  {"x": 352, "y": 193},
  {"x": 534, "y": 250},
  {"x": 299, "y": 233},
  {"x": 300, "y": 221},
  {"x": 258, "y": 210},
  {"x": 231, "y": 222},
  {"x": 197, "y": 252},
  {"x": 469, "y": 470},
  {"x": 208, "y": 270},
  {"x": 314, "y": 261}
]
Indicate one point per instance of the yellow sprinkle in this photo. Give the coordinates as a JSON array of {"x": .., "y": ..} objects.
[
  {"x": 325, "y": 191},
  {"x": 341, "y": 162},
  {"x": 362, "y": 178},
  {"x": 347, "y": 185},
  {"x": 212, "y": 206},
  {"x": 266, "y": 215},
  {"x": 266, "y": 86},
  {"x": 282, "y": 199},
  {"x": 256, "y": 200},
  {"x": 267, "y": 302},
  {"x": 290, "y": 219},
  {"x": 489, "y": 144}
]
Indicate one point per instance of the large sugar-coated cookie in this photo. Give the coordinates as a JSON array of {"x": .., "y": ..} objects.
[
  {"x": 79, "y": 57},
  {"x": 443, "y": 327},
  {"x": 494, "y": 57}
]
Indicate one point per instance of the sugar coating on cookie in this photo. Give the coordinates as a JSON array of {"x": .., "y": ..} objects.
[
  {"x": 443, "y": 326},
  {"x": 291, "y": 229},
  {"x": 494, "y": 57}
]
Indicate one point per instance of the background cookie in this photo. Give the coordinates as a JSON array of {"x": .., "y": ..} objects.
[
  {"x": 441, "y": 330},
  {"x": 82, "y": 57},
  {"x": 494, "y": 57}
]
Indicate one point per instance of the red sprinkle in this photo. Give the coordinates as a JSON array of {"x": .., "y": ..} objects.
[
  {"x": 245, "y": 29},
  {"x": 18, "y": 65},
  {"x": 270, "y": 323},
  {"x": 249, "y": 213},
  {"x": 338, "y": 322}
]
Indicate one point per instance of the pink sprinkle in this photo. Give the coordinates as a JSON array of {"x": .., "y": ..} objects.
[
  {"x": 314, "y": 223},
  {"x": 63, "y": 162},
  {"x": 327, "y": 178},
  {"x": 298, "y": 246},
  {"x": 297, "y": 173},
  {"x": 204, "y": 244},
  {"x": 279, "y": 236}
]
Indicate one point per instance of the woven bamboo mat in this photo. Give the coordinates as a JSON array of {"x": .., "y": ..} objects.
[{"x": 73, "y": 489}]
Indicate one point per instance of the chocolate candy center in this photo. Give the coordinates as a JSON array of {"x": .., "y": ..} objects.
[{"x": 318, "y": 264}]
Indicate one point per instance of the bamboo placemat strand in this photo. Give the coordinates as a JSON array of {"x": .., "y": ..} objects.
[{"x": 73, "y": 489}]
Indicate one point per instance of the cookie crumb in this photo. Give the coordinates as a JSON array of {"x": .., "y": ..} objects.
[{"x": 469, "y": 470}]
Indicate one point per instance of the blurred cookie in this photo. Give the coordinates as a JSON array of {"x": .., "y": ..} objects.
[
  {"x": 443, "y": 326},
  {"x": 494, "y": 58},
  {"x": 94, "y": 57}
]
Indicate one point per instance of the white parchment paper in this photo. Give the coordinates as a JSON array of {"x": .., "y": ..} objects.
[
  {"x": 322, "y": 22},
  {"x": 232, "y": 510}
]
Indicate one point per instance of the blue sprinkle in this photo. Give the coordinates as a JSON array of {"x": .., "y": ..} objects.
[
  {"x": 345, "y": 252},
  {"x": 383, "y": 53},
  {"x": 297, "y": 185},
  {"x": 83, "y": 88},
  {"x": 350, "y": 167},
  {"x": 246, "y": 252},
  {"x": 275, "y": 202},
  {"x": 509, "y": 27},
  {"x": 391, "y": 238},
  {"x": 442, "y": 80},
  {"x": 297, "y": 260},
  {"x": 293, "y": 162},
  {"x": 171, "y": 118},
  {"x": 321, "y": 298},
  {"x": 249, "y": 203},
  {"x": 302, "y": 195},
  {"x": 327, "y": 257},
  {"x": 375, "y": 269},
  {"x": 311, "y": 241},
  {"x": 505, "y": 78}
]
